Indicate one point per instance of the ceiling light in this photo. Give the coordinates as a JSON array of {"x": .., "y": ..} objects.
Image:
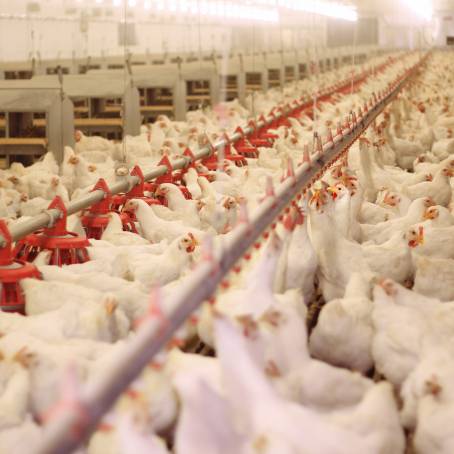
[
  {"x": 330, "y": 9},
  {"x": 423, "y": 8}
]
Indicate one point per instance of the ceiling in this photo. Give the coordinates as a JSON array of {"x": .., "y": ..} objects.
[{"x": 391, "y": 7}]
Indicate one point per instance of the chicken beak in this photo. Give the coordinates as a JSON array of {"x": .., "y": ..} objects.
[
  {"x": 110, "y": 306},
  {"x": 429, "y": 215},
  {"x": 194, "y": 243},
  {"x": 289, "y": 222},
  {"x": 128, "y": 208},
  {"x": 333, "y": 191},
  {"x": 420, "y": 239}
]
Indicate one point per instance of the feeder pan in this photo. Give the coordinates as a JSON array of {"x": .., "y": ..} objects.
[
  {"x": 67, "y": 247},
  {"x": 11, "y": 273},
  {"x": 169, "y": 177},
  {"x": 212, "y": 162},
  {"x": 259, "y": 137},
  {"x": 96, "y": 218},
  {"x": 244, "y": 147},
  {"x": 179, "y": 174},
  {"x": 137, "y": 192},
  {"x": 263, "y": 131}
]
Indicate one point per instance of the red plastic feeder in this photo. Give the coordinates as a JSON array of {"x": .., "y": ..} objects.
[
  {"x": 263, "y": 132},
  {"x": 244, "y": 147},
  {"x": 231, "y": 155},
  {"x": 11, "y": 273},
  {"x": 259, "y": 138},
  {"x": 137, "y": 192},
  {"x": 96, "y": 218},
  {"x": 168, "y": 177},
  {"x": 67, "y": 247}
]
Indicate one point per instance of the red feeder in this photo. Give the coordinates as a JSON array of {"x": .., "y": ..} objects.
[
  {"x": 137, "y": 192},
  {"x": 255, "y": 138},
  {"x": 67, "y": 248},
  {"x": 178, "y": 175},
  {"x": 96, "y": 219},
  {"x": 213, "y": 161},
  {"x": 263, "y": 131},
  {"x": 11, "y": 273},
  {"x": 244, "y": 147},
  {"x": 168, "y": 177}
]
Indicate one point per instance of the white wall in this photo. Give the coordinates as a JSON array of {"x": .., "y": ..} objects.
[
  {"x": 443, "y": 27},
  {"x": 56, "y": 33}
]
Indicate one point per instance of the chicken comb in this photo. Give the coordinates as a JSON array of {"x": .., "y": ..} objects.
[{"x": 289, "y": 222}]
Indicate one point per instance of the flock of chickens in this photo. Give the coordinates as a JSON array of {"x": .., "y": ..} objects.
[{"x": 334, "y": 337}]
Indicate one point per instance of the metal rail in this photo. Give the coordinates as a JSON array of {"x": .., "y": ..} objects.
[
  {"x": 48, "y": 217},
  {"x": 80, "y": 419}
]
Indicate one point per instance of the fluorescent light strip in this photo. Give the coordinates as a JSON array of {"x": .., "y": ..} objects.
[
  {"x": 423, "y": 8},
  {"x": 330, "y": 9},
  {"x": 259, "y": 11}
]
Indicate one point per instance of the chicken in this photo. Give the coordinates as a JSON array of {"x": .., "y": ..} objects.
[
  {"x": 338, "y": 257},
  {"x": 397, "y": 347},
  {"x": 176, "y": 201},
  {"x": 15, "y": 386},
  {"x": 253, "y": 401},
  {"x": 439, "y": 190},
  {"x": 158, "y": 270},
  {"x": 103, "y": 322},
  {"x": 21, "y": 438},
  {"x": 114, "y": 233},
  {"x": 155, "y": 229},
  {"x": 300, "y": 259},
  {"x": 381, "y": 232},
  {"x": 392, "y": 259},
  {"x": 434, "y": 277},
  {"x": 94, "y": 143},
  {"x": 253, "y": 298},
  {"x": 301, "y": 378},
  {"x": 343, "y": 334},
  {"x": 432, "y": 242},
  {"x": 376, "y": 413},
  {"x": 190, "y": 178}
]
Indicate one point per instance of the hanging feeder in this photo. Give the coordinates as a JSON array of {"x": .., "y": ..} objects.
[
  {"x": 11, "y": 273},
  {"x": 263, "y": 132},
  {"x": 96, "y": 218},
  {"x": 168, "y": 177},
  {"x": 67, "y": 247},
  {"x": 137, "y": 192},
  {"x": 256, "y": 139},
  {"x": 230, "y": 154},
  {"x": 244, "y": 147}
]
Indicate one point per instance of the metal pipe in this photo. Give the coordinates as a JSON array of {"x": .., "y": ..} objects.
[{"x": 67, "y": 431}]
